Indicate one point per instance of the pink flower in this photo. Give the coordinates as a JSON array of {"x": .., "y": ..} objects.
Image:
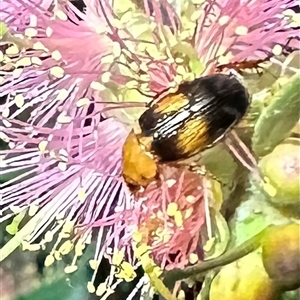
[
  {"x": 172, "y": 215},
  {"x": 65, "y": 74},
  {"x": 241, "y": 30}
]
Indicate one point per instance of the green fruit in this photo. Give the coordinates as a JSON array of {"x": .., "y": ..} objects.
[
  {"x": 245, "y": 279},
  {"x": 281, "y": 253},
  {"x": 281, "y": 170}
]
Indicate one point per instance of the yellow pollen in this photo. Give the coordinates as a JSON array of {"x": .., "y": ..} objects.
[
  {"x": 117, "y": 258},
  {"x": 36, "y": 61},
  {"x": 64, "y": 235},
  {"x": 12, "y": 50},
  {"x": 48, "y": 236},
  {"x": 81, "y": 195},
  {"x": 141, "y": 250},
  {"x": 11, "y": 145},
  {"x": 101, "y": 289},
  {"x": 15, "y": 209},
  {"x": 107, "y": 59},
  {"x": 288, "y": 12},
  {"x": 4, "y": 137},
  {"x": 181, "y": 295},
  {"x": 7, "y": 60},
  {"x": 19, "y": 100},
  {"x": 178, "y": 218},
  {"x": 33, "y": 209},
  {"x": 179, "y": 60},
  {"x": 134, "y": 66},
  {"x": 79, "y": 247},
  {"x": 64, "y": 119},
  {"x": 181, "y": 70},
  {"x": 66, "y": 247},
  {"x": 190, "y": 199},
  {"x": 188, "y": 212},
  {"x": 60, "y": 215},
  {"x": 49, "y": 31},
  {"x": 295, "y": 21},
  {"x": 32, "y": 20},
  {"x": 57, "y": 255},
  {"x": 49, "y": 260},
  {"x": 196, "y": 15},
  {"x": 145, "y": 77},
  {"x": 68, "y": 226},
  {"x": 23, "y": 62},
  {"x": 132, "y": 84},
  {"x": 126, "y": 272},
  {"x": 222, "y": 60},
  {"x": 43, "y": 146},
  {"x": 193, "y": 258},
  {"x": 83, "y": 102},
  {"x": 63, "y": 152},
  {"x": 172, "y": 209},
  {"x": 31, "y": 32},
  {"x": 166, "y": 238},
  {"x": 70, "y": 269},
  {"x": 159, "y": 232},
  {"x": 90, "y": 287},
  {"x": 116, "y": 49},
  {"x": 145, "y": 88},
  {"x": 57, "y": 72},
  {"x": 62, "y": 166},
  {"x": 30, "y": 247},
  {"x": 6, "y": 123},
  {"x": 39, "y": 46},
  {"x": 170, "y": 182},
  {"x": 105, "y": 77},
  {"x": 19, "y": 36},
  {"x": 94, "y": 264},
  {"x": 63, "y": 158},
  {"x": 52, "y": 154},
  {"x": 277, "y": 50},
  {"x": 224, "y": 20},
  {"x": 56, "y": 55},
  {"x": 61, "y": 15},
  {"x": 241, "y": 30},
  {"x": 97, "y": 86},
  {"x": 62, "y": 94},
  {"x": 144, "y": 67}
]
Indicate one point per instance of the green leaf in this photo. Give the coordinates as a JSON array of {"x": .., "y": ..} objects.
[
  {"x": 278, "y": 119},
  {"x": 3, "y": 29}
]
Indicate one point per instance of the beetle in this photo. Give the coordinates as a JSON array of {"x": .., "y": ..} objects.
[{"x": 195, "y": 117}]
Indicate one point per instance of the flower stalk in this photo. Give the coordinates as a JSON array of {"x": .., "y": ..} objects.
[{"x": 170, "y": 277}]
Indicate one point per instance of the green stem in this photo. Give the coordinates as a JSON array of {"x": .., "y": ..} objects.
[{"x": 170, "y": 277}]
